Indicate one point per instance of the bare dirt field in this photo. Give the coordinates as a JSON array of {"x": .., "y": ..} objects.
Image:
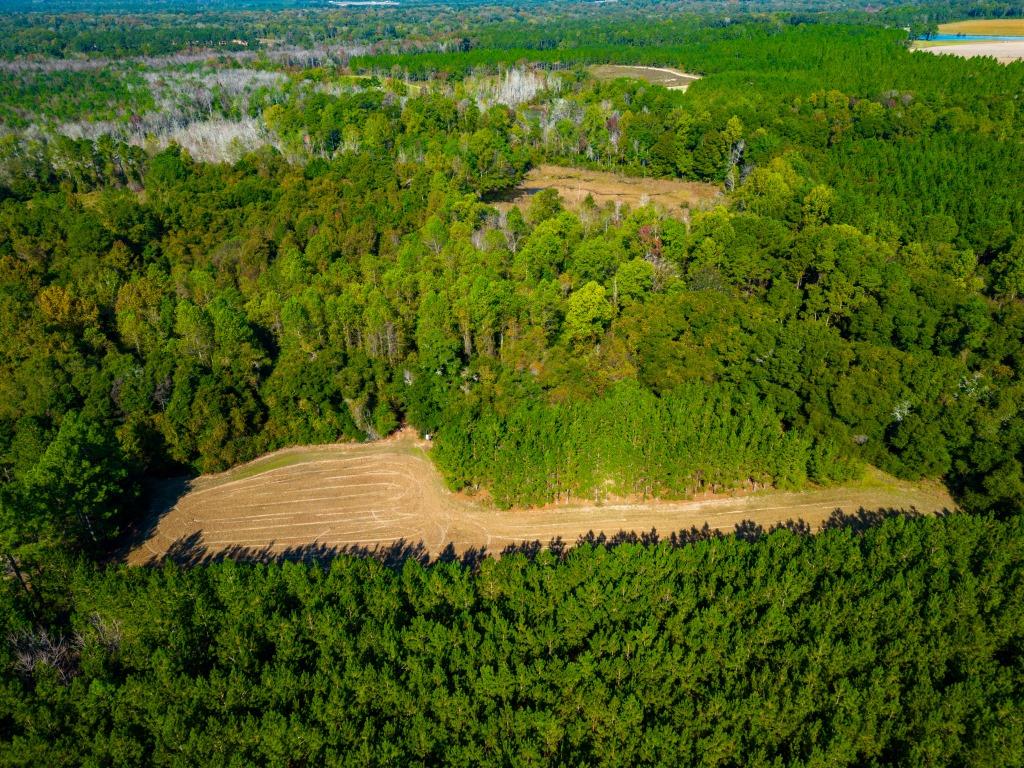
[
  {"x": 1004, "y": 51},
  {"x": 673, "y": 79},
  {"x": 574, "y": 184},
  {"x": 370, "y": 497}
]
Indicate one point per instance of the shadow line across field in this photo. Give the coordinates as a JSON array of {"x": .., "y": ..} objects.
[
  {"x": 159, "y": 497},
  {"x": 190, "y": 550}
]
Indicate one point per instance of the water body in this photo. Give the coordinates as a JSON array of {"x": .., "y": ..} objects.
[{"x": 974, "y": 38}]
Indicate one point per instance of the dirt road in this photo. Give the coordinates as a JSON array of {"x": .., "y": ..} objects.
[{"x": 374, "y": 495}]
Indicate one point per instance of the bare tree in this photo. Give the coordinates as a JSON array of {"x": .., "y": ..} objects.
[{"x": 35, "y": 648}]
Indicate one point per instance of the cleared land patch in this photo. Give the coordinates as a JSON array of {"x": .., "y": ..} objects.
[
  {"x": 673, "y": 79},
  {"x": 574, "y": 184},
  {"x": 372, "y": 496},
  {"x": 984, "y": 27},
  {"x": 1003, "y": 51}
]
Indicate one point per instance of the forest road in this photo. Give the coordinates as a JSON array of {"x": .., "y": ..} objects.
[{"x": 372, "y": 496}]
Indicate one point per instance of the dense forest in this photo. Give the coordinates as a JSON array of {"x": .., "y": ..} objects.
[
  {"x": 898, "y": 647},
  {"x": 231, "y": 232}
]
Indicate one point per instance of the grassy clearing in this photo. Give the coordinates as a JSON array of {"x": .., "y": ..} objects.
[
  {"x": 267, "y": 464},
  {"x": 984, "y": 27},
  {"x": 673, "y": 79},
  {"x": 575, "y": 184}
]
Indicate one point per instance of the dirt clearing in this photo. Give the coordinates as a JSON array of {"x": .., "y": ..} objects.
[
  {"x": 574, "y": 184},
  {"x": 673, "y": 79},
  {"x": 373, "y": 496},
  {"x": 1004, "y": 51}
]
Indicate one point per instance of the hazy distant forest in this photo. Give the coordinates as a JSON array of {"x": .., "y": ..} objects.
[{"x": 229, "y": 231}]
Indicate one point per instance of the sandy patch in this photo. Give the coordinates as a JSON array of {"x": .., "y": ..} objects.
[{"x": 1004, "y": 51}]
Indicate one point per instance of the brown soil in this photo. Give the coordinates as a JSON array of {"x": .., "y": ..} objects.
[
  {"x": 371, "y": 496},
  {"x": 574, "y": 184}
]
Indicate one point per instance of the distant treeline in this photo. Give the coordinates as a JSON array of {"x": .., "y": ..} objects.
[
  {"x": 111, "y": 36},
  {"x": 114, "y": 28},
  {"x": 694, "y": 46}
]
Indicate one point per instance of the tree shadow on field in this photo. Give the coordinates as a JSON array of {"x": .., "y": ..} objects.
[
  {"x": 863, "y": 519},
  {"x": 191, "y": 550},
  {"x": 158, "y": 498},
  {"x": 858, "y": 522}
]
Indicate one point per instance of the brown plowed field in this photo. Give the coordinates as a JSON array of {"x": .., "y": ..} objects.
[{"x": 372, "y": 496}]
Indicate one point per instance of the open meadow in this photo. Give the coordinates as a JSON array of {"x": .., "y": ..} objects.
[
  {"x": 574, "y": 184},
  {"x": 673, "y": 79},
  {"x": 983, "y": 27}
]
